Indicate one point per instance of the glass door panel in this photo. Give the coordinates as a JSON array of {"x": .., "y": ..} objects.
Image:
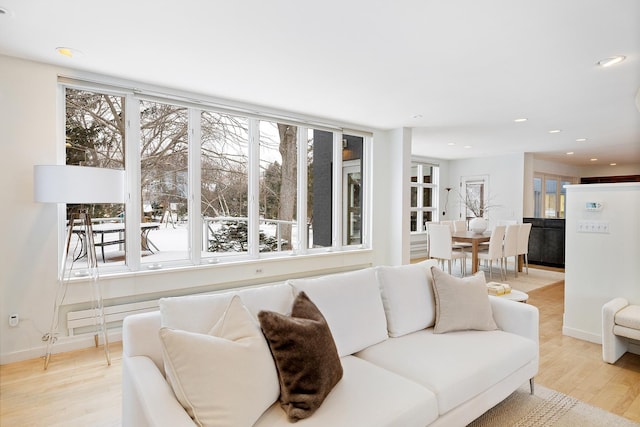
[{"x": 550, "y": 198}]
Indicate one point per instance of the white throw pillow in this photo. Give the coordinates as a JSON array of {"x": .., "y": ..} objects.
[
  {"x": 461, "y": 304},
  {"x": 407, "y": 296},
  {"x": 352, "y": 305},
  {"x": 226, "y": 378}
]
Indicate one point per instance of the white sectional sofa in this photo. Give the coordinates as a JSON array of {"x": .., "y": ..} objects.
[{"x": 396, "y": 370}]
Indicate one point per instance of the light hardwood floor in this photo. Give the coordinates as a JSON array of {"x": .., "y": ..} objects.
[
  {"x": 79, "y": 389},
  {"x": 576, "y": 368}
]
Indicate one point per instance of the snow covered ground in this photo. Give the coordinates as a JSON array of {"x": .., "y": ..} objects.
[{"x": 172, "y": 243}]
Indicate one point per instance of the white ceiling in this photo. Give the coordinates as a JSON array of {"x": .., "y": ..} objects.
[{"x": 457, "y": 71}]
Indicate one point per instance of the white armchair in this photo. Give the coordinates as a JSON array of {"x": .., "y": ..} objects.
[{"x": 620, "y": 323}]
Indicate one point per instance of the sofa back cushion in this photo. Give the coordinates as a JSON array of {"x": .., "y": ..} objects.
[
  {"x": 198, "y": 313},
  {"x": 407, "y": 296},
  {"x": 351, "y": 304}
]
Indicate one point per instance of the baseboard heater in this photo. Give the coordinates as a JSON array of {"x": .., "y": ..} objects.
[{"x": 79, "y": 321}]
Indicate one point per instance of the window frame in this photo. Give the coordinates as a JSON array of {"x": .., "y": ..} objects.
[
  {"x": 420, "y": 186},
  {"x": 132, "y": 99},
  {"x": 560, "y": 194}
]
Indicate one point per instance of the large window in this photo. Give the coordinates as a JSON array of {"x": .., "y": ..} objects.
[
  {"x": 94, "y": 137},
  {"x": 424, "y": 187},
  {"x": 264, "y": 186},
  {"x": 164, "y": 153},
  {"x": 224, "y": 184}
]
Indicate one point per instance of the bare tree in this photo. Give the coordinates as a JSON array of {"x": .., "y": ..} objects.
[
  {"x": 95, "y": 137},
  {"x": 288, "y": 151}
]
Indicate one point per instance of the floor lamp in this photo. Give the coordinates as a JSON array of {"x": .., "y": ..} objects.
[{"x": 78, "y": 185}]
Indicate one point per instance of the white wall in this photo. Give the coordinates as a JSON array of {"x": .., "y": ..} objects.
[
  {"x": 555, "y": 168},
  {"x": 28, "y": 126},
  {"x": 600, "y": 267},
  {"x": 506, "y": 184},
  {"x": 391, "y": 177}
]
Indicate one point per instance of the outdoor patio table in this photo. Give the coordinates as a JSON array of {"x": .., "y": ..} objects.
[{"x": 117, "y": 227}]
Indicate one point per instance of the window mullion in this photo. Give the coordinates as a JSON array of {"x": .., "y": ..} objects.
[
  {"x": 195, "y": 178},
  {"x": 367, "y": 190},
  {"x": 301, "y": 214},
  {"x": 253, "y": 208},
  {"x": 133, "y": 176},
  {"x": 337, "y": 214}
]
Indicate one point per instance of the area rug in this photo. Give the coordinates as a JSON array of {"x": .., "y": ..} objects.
[
  {"x": 547, "y": 408},
  {"x": 537, "y": 277}
]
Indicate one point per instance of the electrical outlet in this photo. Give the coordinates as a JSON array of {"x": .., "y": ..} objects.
[{"x": 14, "y": 319}]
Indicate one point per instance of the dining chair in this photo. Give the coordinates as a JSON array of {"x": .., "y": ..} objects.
[
  {"x": 523, "y": 243},
  {"x": 441, "y": 246},
  {"x": 449, "y": 223},
  {"x": 459, "y": 225},
  {"x": 510, "y": 247},
  {"x": 427, "y": 224},
  {"x": 494, "y": 250}
]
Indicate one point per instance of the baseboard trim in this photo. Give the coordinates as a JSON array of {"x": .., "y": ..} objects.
[
  {"x": 581, "y": 335},
  {"x": 64, "y": 344}
]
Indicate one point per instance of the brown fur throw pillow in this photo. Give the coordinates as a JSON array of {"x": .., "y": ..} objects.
[{"x": 305, "y": 355}]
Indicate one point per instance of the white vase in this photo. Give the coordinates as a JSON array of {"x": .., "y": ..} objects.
[{"x": 478, "y": 225}]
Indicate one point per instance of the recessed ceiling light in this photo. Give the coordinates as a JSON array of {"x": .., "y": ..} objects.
[
  {"x": 6, "y": 12},
  {"x": 581, "y": 139},
  {"x": 467, "y": 146},
  {"x": 69, "y": 52},
  {"x": 555, "y": 131},
  {"x": 612, "y": 164},
  {"x": 612, "y": 60},
  {"x": 451, "y": 144},
  {"x": 593, "y": 159},
  {"x": 569, "y": 153},
  {"x": 523, "y": 119}
]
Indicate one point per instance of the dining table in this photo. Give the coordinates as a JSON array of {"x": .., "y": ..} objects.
[{"x": 474, "y": 239}]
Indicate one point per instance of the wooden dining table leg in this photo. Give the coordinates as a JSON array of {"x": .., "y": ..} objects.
[{"x": 474, "y": 257}]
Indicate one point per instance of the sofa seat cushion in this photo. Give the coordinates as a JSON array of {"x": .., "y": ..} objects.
[
  {"x": 368, "y": 396},
  {"x": 629, "y": 317},
  {"x": 623, "y": 331},
  {"x": 456, "y": 366},
  {"x": 351, "y": 304}
]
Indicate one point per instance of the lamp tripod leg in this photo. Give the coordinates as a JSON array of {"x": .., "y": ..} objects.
[
  {"x": 50, "y": 338},
  {"x": 98, "y": 310}
]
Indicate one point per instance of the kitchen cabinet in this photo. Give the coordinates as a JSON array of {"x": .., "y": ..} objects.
[{"x": 546, "y": 241}]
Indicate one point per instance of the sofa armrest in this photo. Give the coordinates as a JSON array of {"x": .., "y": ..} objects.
[
  {"x": 613, "y": 347},
  {"x": 140, "y": 337},
  {"x": 609, "y": 311},
  {"x": 147, "y": 399},
  {"x": 516, "y": 317}
]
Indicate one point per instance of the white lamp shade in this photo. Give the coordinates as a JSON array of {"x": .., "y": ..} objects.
[{"x": 77, "y": 184}]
